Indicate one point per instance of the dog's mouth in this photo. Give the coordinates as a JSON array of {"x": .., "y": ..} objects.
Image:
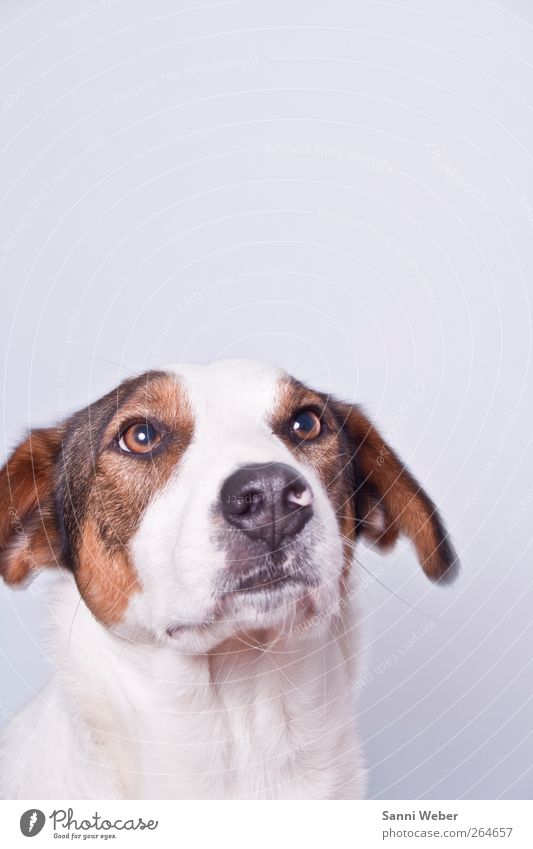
[
  {"x": 261, "y": 590},
  {"x": 266, "y": 589},
  {"x": 272, "y": 599},
  {"x": 269, "y": 574}
]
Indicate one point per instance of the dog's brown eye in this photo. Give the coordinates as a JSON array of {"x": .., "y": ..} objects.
[
  {"x": 139, "y": 438},
  {"x": 306, "y": 425}
]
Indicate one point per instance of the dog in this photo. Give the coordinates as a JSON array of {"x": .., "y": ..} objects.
[{"x": 198, "y": 525}]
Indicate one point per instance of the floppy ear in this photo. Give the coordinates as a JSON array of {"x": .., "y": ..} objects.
[
  {"x": 29, "y": 536},
  {"x": 389, "y": 501}
]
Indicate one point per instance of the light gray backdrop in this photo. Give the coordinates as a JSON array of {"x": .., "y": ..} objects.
[{"x": 344, "y": 188}]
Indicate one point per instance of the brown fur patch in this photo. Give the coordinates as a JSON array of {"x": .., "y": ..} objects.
[
  {"x": 29, "y": 536},
  {"x": 106, "y": 580},
  {"x": 372, "y": 493},
  {"x": 327, "y": 455},
  {"x": 110, "y": 489},
  {"x": 69, "y": 495},
  {"x": 391, "y": 501}
]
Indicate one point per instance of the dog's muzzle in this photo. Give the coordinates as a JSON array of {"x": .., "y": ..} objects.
[{"x": 265, "y": 509}]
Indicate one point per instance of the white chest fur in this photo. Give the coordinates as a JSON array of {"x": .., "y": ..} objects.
[{"x": 127, "y": 721}]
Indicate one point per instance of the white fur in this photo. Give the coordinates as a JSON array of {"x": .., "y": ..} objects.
[
  {"x": 135, "y": 713},
  {"x": 120, "y": 720}
]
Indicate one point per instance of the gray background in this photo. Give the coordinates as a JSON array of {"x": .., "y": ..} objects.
[{"x": 344, "y": 188}]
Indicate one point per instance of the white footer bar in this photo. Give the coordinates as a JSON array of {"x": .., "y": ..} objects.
[{"x": 269, "y": 825}]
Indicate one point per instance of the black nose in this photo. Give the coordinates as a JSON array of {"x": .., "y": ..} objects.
[{"x": 269, "y": 503}]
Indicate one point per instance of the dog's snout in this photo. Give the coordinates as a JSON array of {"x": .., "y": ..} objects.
[{"x": 269, "y": 503}]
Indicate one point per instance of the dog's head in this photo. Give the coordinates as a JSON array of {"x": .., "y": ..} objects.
[{"x": 195, "y": 503}]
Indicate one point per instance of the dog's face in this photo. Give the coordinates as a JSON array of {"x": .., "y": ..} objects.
[{"x": 197, "y": 503}]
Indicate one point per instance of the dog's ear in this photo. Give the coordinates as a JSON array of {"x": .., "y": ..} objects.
[
  {"x": 29, "y": 536},
  {"x": 389, "y": 501}
]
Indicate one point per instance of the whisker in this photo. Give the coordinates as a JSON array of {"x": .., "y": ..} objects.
[
  {"x": 359, "y": 521},
  {"x": 76, "y": 613},
  {"x": 384, "y": 585}
]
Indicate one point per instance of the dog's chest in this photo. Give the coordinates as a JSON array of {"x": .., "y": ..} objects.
[{"x": 262, "y": 727}]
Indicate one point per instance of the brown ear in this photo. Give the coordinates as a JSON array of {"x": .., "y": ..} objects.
[
  {"x": 389, "y": 501},
  {"x": 29, "y": 537}
]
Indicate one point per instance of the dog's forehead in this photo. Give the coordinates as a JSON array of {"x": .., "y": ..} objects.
[{"x": 230, "y": 389}]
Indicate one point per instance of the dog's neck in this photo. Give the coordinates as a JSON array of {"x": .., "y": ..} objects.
[{"x": 249, "y": 719}]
